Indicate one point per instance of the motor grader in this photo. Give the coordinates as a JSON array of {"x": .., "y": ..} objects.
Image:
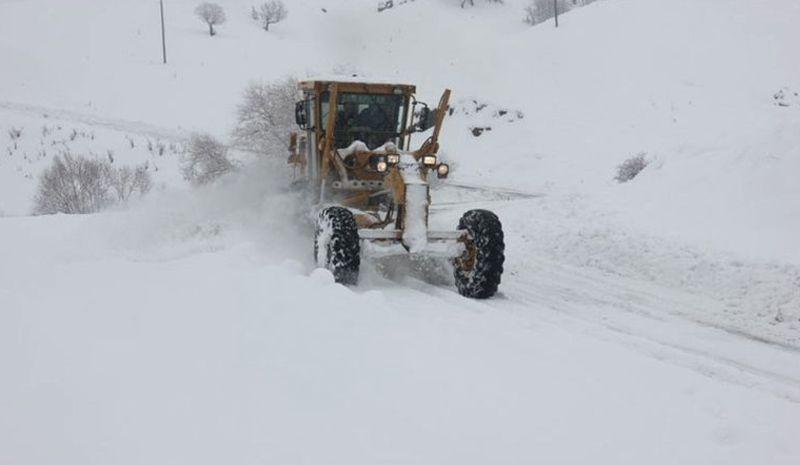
[{"x": 370, "y": 190}]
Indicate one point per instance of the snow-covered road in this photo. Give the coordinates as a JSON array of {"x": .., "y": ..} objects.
[{"x": 186, "y": 331}]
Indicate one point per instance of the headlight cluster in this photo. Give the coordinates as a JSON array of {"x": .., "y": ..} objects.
[{"x": 382, "y": 163}]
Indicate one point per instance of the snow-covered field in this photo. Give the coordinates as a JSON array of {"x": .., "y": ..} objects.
[{"x": 655, "y": 321}]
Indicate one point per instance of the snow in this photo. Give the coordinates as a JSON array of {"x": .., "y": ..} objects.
[
  {"x": 415, "y": 233},
  {"x": 323, "y": 236},
  {"x": 227, "y": 355},
  {"x": 655, "y": 321},
  {"x": 356, "y": 146}
]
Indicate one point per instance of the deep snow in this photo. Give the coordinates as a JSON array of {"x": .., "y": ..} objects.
[
  {"x": 181, "y": 332},
  {"x": 654, "y": 321}
]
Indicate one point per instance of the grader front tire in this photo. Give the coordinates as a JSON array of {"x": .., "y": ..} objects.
[
  {"x": 478, "y": 270},
  {"x": 336, "y": 244}
]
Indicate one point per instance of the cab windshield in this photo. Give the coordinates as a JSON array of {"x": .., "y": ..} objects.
[{"x": 374, "y": 119}]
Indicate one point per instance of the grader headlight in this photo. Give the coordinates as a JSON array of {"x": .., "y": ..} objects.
[
  {"x": 378, "y": 163},
  {"x": 442, "y": 170},
  {"x": 429, "y": 160},
  {"x": 393, "y": 159}
]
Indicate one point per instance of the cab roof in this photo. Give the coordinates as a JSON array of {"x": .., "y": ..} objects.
[{"x": 354, "y": 85}]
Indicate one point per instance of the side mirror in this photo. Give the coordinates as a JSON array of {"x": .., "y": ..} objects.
[
  {"x": 426, "y": 119},
  {"x": 300, "y": 116}
]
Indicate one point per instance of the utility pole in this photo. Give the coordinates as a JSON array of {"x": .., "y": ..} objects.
[
  {"x": 163, "y": 36},
  {"x": 555, "y": 8}
]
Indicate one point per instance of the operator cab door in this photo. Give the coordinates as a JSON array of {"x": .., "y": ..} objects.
[{"x": 305, "y": 117}]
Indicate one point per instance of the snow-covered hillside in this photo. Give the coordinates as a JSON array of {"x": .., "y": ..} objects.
[{"x": 653, "y": 321}]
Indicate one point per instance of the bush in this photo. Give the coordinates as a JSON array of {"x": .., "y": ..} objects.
[
  {"x": 206, "y": 159},
  {"x": 15, "y": 134},
  {"x": 265, "y": 117},
  {"x": 630, "y": 168},
  {"x": 84, "y": 185},
  {"x": 129, "y": 180}
]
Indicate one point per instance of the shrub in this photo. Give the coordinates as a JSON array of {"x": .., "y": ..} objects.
[
  {"x": 206, "y": 159},
  {"x": 15, "y": 134},
  {"x": 265, "y": 117},
  {"x": 76, "y": 184},
  {"x": 129, "y": 180},
  {"x": 631, "y": 167}
]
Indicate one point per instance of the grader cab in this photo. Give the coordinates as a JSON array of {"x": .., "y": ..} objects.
[{"x": 370, "y": 189}]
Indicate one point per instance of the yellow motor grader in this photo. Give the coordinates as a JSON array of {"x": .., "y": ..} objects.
[{"x": 370, "y": 189}]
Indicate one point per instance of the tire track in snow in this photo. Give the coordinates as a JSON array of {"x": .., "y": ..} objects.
[
  {"x": 684, "y": 329},
  {"x": 639, "y": 324},
  {"x": 644, "y": 323},
  {"x": 495, "y": 191},
  {"x": 455, "y": 193},
  {"x": 645, "y": 317}
]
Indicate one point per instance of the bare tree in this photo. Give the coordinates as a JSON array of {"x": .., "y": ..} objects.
[
  {"x": 272, "y": 12},
  {"x": 212, "y": 14},
  {"x": 206, "y": 159},
  {"x": 266, "y": 116}
]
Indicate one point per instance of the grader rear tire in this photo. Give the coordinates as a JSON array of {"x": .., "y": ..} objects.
[
  {"x": 336, "y": 244},
  {"x": 478, "y": 270}
]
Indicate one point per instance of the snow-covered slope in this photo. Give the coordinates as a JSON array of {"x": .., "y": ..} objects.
[
  {"x": 191, "y": 327},
  {"x": 690, "y": 85}
]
